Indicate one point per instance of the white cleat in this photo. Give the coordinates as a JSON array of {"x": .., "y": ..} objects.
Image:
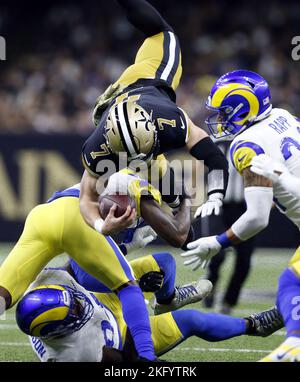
[
  {"x": 184, "y": 295},
  {"x": 288, "y": 351}
]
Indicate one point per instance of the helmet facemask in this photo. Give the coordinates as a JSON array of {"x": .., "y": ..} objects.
[
  {"x": 223, "y": 123},
  {"x": 53, "y": 311},
  {"x": 80, "y": 311},
  {"x": 239, "y": 99}
]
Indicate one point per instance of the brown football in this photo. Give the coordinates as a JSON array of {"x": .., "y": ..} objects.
[{"x": 107, "y": 201}]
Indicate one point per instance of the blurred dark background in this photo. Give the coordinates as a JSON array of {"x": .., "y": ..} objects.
[{"x": 62, "y": 54}]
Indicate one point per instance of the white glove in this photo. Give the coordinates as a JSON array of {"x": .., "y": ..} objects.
[
  {"x": 268, "y": 167},
  {"x": 141, "y": 237},
  {"x": 201, "y": 251},
  {"x": 212, "y": 205}
]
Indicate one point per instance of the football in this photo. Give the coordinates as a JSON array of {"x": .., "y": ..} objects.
[{"x": 122, "y": 202}]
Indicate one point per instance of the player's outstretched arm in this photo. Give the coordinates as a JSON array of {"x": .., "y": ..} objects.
[
  {"x": 276, "y": 172},
  {"x": 259, "y": 200},
  {"x": 173, "y": 229},
  {"x": 144, "y": 17}
]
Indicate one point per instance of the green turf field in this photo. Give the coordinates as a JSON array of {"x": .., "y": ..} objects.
[{"x": 258, "y": 294}]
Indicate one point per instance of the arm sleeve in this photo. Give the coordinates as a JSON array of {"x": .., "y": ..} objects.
[
  {"x": 259, "y": 202},
  {"x": 144, "y": 17},
  {"x": 216, "y": 162}
]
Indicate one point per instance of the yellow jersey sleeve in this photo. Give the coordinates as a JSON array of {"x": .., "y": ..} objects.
[
  {"x": 242, "y": 153},
  {"x": 139, "y": 187}
]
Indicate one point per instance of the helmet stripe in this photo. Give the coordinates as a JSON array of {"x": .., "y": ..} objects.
[
  {"x": 218, "y": 97},
  {"x": 54, "y": 314},
  {"x": 123, "y": 127},
  {"x": 116, "y": 116},
  {"x": 129, "y": 127},
  {"x": 50, "y": 286}
]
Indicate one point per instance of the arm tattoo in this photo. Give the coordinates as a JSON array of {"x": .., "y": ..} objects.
[{"x": 251, "y": 179}]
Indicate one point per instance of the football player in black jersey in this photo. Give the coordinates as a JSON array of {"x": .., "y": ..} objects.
[{"x": 138, "y": 116}]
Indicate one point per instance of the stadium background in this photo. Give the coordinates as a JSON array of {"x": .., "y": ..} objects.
[{"x": 62, "y": 54}]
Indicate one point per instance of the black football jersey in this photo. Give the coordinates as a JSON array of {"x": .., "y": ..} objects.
[{"x": 171, "y": 124}]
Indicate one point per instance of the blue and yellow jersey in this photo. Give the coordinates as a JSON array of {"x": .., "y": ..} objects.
[
  {"x": 126, "y": 181},
  {"x": 130, "y": 182},
  {"x": 242, "y": 152}
]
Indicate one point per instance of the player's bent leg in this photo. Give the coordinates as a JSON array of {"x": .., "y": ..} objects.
[
  {"x": 159, "y": 57},
  {"x": 96, "y": 254},
  {"x": 288, "y": 303},
  {"x": 28, "y": 257},
  {"x": 170, "y": 329},
  {"x": 86, "y": 280},
  {"x": 211, "y": 327},
  {"x": 169, "y": 297},
  {"x": 165, "y": 333},
  {"x": 137, "y": 319},
  {"x": 101, "y": 257}
]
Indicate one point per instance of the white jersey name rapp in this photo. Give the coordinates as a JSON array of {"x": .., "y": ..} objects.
[{"x": 279, "y": 137}]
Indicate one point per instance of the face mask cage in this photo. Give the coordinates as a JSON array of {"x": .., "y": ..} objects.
[
  {"x": 219, "y": 123},
  {"x": 80, "y": 311}
]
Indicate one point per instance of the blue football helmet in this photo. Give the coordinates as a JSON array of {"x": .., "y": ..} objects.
[
  {"x": 53, "y": 311},
  {"x": 238, "y": 99}
]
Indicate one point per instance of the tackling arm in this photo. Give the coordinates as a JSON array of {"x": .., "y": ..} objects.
[
  {"x": 259, "y": 199},
  {"x": 277, "y": 172},
  {"x": 176, "y": 230},
  {"x": 144, "y": 17}
]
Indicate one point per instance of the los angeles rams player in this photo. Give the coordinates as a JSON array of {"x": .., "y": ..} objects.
[
  {"x": 277, "y": 172},
  {"x": 137, "y": 116},
  {"x": 57, "y": 227},
  {"x": 289, "y": 281},
  {"x": 65, "y": 322},
  {"x": 243, "y": 112}
]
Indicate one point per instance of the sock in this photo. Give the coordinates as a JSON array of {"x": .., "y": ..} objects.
[
  {"x": 288, "y": 301},
  {"x": 209, "y": 326},
  {"x": 167, "y": 264},
  {"x": 137, "y": 319}
]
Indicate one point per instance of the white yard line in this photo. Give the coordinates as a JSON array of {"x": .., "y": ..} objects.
[
  {"x": 223, "y": 350},
  {"x": 5, "y": 343},
  {"x": 8, "y": 326}
]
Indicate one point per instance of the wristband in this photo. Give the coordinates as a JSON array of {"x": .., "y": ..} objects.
[
  {"x": 223, "y": 240},
  {"x": 98, "y": 225}
]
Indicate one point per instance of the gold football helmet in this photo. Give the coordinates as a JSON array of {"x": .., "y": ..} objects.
[{"x": 130, "y": 129}]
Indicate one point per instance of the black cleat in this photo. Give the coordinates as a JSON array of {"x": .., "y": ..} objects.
[{"x": 265, "y": 323}]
